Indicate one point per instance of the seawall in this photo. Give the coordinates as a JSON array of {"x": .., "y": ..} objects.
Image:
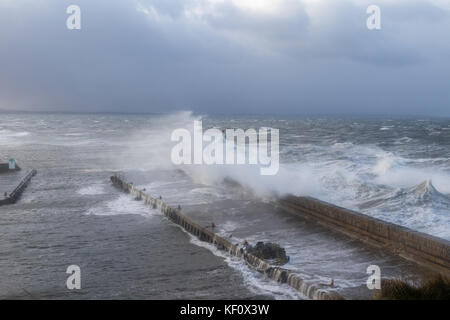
[
  {"x": 281, "y": 275},
  {"x": 14, "y": 195},
  {"x": 4, "y": 168},
  {"x": 424, "y": 249}
]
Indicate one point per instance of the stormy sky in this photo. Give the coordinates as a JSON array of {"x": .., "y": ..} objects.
[{"x": 226, "y": 56}]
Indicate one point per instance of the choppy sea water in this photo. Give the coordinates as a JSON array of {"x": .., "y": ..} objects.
[{"x": 395, "y": 169}]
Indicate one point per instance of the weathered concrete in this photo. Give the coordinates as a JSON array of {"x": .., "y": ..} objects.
[
  {"x": 427, "y": 250},
  {"x": 276, "y": 273},
  {"x": 17, "y": 186},
  {"x": 4, "y": 168}
]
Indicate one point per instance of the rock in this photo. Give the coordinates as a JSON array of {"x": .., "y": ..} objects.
[{"x": 269, "y": 251}]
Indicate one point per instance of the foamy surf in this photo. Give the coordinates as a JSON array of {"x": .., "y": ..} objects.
[
  {"x": 254, "y": 281},
  {"x": 423, "y": 208},
  {"x": 93, "y": 190},
  {"x": 343, "y": 168},
  {"x": 12, "y": 137},
  {"x": 123, "y": 205}
]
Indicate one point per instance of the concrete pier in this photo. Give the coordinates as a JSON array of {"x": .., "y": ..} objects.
[
  {"x": 424, "y": 249},
  {"x": 12, "y": 184},
  {"x": 275, "y": 273}
]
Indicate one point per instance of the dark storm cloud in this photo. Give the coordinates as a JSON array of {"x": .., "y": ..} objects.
[{"x": 225, "y": 56}]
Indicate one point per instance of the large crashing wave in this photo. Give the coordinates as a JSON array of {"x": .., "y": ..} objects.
[
  {"x": 358, "y": 176},
  {"x": 421, "y": 207}
]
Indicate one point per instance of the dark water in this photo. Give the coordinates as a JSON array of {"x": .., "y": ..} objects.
[{"x": 70, "y": 214}]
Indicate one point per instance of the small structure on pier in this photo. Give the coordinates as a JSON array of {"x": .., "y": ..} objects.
[
  {"x": 12, "y": 164},
  {"x": 9, "y": 166}
]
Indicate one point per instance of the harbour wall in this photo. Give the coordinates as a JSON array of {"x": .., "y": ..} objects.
[
  {"x": 15, "y": 194},
  {"x": 4, "y": 167},
  {"x": 424, "y": 249},
  {"x": 281, "y": 275}
]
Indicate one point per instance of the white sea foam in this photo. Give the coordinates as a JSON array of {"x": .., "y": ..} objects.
[
  {"x": 395, "y": 172},
  {"x": 123, "y": 205},
  {"x": 93, "y": 190},
  {"x": 346, "y": 173},
  {"x": 75, "y": 134},
  {"x": 254, "y": 281},
  {"x": 12, "y": 137}
]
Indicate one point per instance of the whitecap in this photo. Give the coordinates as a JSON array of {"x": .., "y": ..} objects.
[
  {"x": 254, "y": 281},
  {"x": 93, "y": 190},
  {"x": 123, "y": 205}
]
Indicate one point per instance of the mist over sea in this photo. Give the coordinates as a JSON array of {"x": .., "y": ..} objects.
[{"x": 395, "y": 169}]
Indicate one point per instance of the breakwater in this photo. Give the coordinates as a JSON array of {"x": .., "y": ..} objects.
[
  {"x": 276, "y": 273},
  {"x": 14, "y": 195},
  {"x": 4, "y": 168},
  {"x": 424, "y": 249}
]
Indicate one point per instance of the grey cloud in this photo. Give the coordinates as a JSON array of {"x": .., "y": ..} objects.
[{"x": 231, "y": 61}]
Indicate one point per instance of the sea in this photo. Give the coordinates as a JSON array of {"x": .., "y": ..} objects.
[{"x": 395, "y": 169}]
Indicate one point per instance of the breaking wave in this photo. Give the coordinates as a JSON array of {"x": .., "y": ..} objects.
[{"x": 374, "y": 174}]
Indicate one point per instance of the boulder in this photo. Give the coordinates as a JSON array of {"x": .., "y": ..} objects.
[{"x": 269, "y": 251}]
